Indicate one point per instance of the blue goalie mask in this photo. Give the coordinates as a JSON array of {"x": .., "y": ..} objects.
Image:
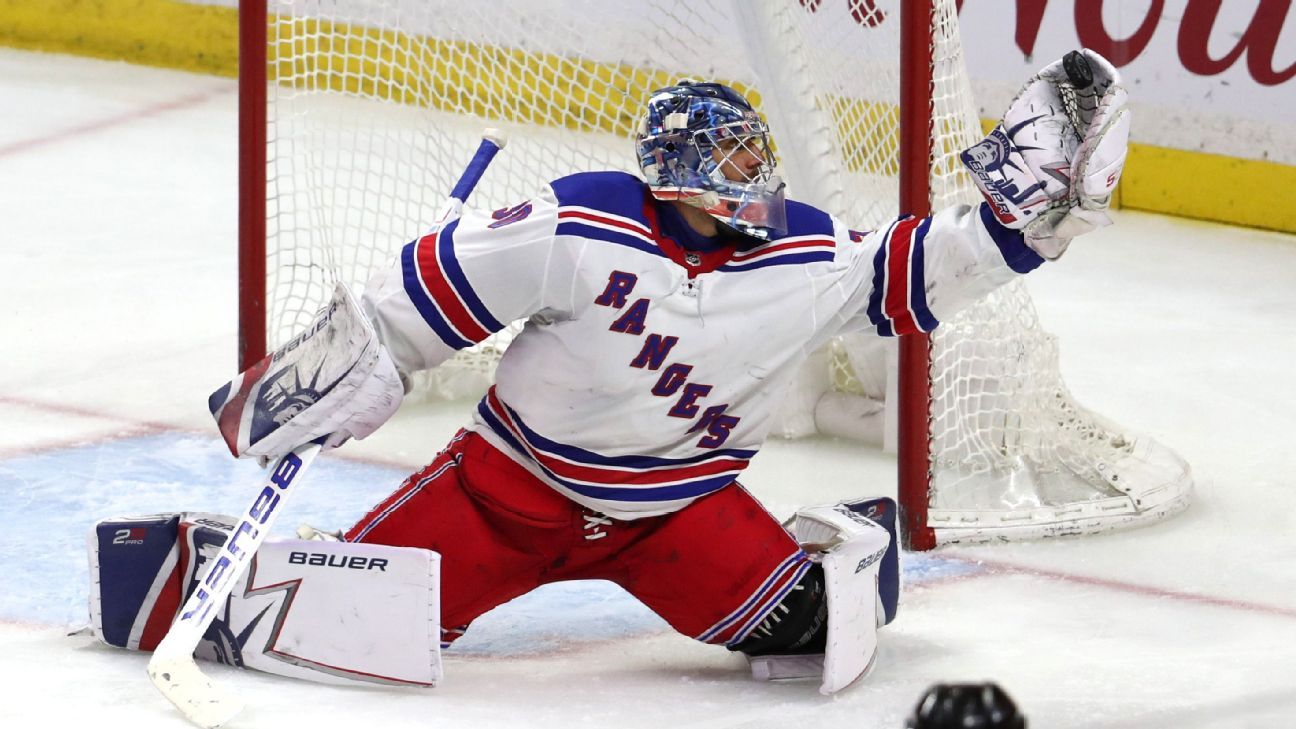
[{"x": 703, "y": 144}]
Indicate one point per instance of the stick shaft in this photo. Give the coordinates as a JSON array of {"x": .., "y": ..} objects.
[
  {"x": 171, "y": 668},
  {"x": 491, "y": 144}
]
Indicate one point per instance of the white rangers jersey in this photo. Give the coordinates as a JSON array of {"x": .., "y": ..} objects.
[{"x": 648, "y": 375}]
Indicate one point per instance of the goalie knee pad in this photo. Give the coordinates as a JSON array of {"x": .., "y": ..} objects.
[{"x": 333, "y": 612}]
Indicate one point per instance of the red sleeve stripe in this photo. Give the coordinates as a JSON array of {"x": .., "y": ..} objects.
[
  {"x": 896, "y": 297},
  {"x": 441, "y": 292},
  {"x": 898, "y": 301}
]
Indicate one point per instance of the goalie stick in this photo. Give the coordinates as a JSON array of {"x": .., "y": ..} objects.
[{"x": 172, "y": 668}]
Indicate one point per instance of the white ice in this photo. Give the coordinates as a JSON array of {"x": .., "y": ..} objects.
[{"x": 117, "y": 313}]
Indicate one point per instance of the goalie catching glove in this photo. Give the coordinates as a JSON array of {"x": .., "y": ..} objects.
[
  {"x": 1049, "y": 168},
  {"x": 332, "y": 382}
]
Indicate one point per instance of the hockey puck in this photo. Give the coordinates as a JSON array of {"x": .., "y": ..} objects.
[{"x": 1077, "y": 69}]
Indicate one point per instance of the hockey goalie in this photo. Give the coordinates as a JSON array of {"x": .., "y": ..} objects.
[{"x": 666, "y": 314}]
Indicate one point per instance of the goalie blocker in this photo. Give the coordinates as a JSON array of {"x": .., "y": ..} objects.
[{"x": 332, "y": 612}]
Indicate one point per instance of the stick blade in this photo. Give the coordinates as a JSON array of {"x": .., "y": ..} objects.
[{"x": 200, "y": 699}]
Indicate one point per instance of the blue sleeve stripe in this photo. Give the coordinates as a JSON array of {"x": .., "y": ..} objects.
[
  {"x": 424, "y": 304},
  {"x": 1011, "y": 243},
  {"x": 454, "y": 272}
]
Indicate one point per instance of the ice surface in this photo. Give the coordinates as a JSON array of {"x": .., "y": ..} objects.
[{"x": 117, "y": 194}]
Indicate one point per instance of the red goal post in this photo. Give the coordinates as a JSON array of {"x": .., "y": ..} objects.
[
  {"x": 353, "y": 115},
  {"x": 913, "y": 453}
]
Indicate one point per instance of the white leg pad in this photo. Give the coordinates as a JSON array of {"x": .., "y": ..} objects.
[
  {"x": 852, "y": 547},
  {"x": 851, "y": 577},
  {"x": 326, "y": 611},
  {"x": 335, "y": 612}
]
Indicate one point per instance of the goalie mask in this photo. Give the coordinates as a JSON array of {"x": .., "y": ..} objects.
[{"x": 691, "y": 135}]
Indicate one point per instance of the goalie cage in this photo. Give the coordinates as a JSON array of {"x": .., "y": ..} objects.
[{"x": 355, "y": 115}]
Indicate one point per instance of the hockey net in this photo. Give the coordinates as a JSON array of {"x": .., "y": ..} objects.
[{"x": 373, "y": 106}]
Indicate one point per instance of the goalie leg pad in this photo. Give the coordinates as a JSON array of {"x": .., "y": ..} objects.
[
  {"x": 855, "y": 548},
  {"x": 882, "y": 512},
  {"x": 332, "y": 612},
  {"x": 335, "y": 612},
  {"x": 134, "y": 583},
  {"x": 856, "y": 545}
]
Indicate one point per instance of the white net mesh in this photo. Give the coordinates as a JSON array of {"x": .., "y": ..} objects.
[{"x": 375, "y": 105}]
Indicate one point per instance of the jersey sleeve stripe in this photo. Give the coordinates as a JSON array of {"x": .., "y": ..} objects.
[
  {"x": 423, "y": 301},
  {"x": 898, "y": 302},
  {"x": 895, "y": 301},
  {"x": 1011, "y": 243},
  {"x": 879, "y": 282},
  {"x": 481, "y": 318},
  {"x": 605, "y": 218},
  {"x": 918, "y": 280}
]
